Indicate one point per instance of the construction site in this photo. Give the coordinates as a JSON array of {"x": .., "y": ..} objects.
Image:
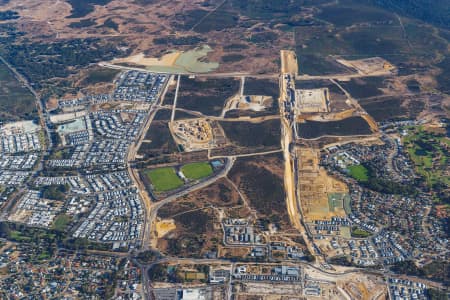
[
  {"x": 318, "y": 204},
  {"x": 312, "y": 101},
  {"x": 374, "y": 66},
  {"x": 317, "y": 188},
  {"x": 193, "y": 134},
  {"x": 164, "y": 226},
  {"x": 248, "y": 102},
  {"x": 289, "y": 64}
]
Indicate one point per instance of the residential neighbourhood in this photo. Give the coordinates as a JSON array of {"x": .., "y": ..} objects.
[{"x": 99, "y": 195}]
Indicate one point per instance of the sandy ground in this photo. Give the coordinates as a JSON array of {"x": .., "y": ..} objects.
[
  {"x": 51, "y": 104},
  {"x": 67, "y": 117},
  {"x": 315, "y": 185},
  {"x": 167, "y": 60},
  {"x": 40, "y": 10},
  {"x": 163, "y": 227},
  {"x": 257, "y": 103},
  {"x": 289, "y": 62},
  {"x": 375, "y": 66}
]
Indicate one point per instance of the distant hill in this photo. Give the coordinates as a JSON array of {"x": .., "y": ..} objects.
[{"x": 436, "y": 12}]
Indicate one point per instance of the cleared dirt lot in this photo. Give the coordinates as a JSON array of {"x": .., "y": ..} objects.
[
  {"x": 316, "y": 186},
  {"x": 289, "y": 62}
]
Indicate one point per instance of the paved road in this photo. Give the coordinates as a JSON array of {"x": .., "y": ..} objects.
[{"x": 131, "y": 156}]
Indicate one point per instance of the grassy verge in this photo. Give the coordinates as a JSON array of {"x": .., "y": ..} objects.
[{"x": 347, "y": 204}]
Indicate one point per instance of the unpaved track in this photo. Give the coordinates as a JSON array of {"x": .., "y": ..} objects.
[
  {"x": 240, "y": 74},
  {"x": 172, "y": 117}
]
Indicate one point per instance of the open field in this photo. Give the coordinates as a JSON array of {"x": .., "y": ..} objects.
[
  {"x": 345, "y": 127},
  {"x": 16, "y": 101},
  {"x": 385, "y": 108},
  {"x": 444, "y": 77},
  {"x": 183, "y": 115},
  {"x": 245, "y": 134},
  {"x": 197, "y": 170},
  {"x": 158, "y": 140},
  {"x": 195, "y": 232},
  {"x": 100, "y": 75},
  {"x": 163, "y": 115},
  {"x": 164, "y": 179},
  {"x": 268, "y": 87},
  {"x": 192, "y": 238},
  {"x": 197, "y": 228},
  {"x": 364, "y": 87},
  {"x": 219, "y": 194},
  {"x": 221, "y": 19},
  {"x": 260, "y": 179},
  {"x": 207, "y": 96},
  {"x": 84, "y": 7},
  {"x": 170, "y": 94}
]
